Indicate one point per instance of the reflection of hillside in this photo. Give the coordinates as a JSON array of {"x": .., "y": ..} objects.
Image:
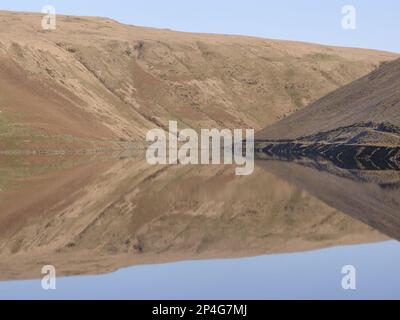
[
  {"x": 367, "y": 171},
  {"x": 96, "y": 217},
  {"x": 372, "y": 197}
]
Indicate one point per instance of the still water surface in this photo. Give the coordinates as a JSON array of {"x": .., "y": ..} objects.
[{"x": 120, "y": 229}]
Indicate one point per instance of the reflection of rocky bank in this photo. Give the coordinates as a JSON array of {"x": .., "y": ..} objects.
[
  {"x": 95, "y": 217},
  {"x": 342, "y": 155}
]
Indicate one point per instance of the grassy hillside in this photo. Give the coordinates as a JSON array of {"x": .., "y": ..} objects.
[{"x": 96, "y": 79}]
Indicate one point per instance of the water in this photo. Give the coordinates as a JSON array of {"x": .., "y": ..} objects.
[{"x": 117, "y": 228}]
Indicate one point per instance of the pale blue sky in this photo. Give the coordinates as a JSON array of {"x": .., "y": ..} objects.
[{"x": 378, "y": 22}]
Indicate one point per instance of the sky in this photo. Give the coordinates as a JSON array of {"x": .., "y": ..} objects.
[{"x": 377, "y": 22}]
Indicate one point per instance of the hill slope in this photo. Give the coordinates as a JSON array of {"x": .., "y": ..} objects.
[
  {"x": 365, "y": 112},
  {"x": 96, "y": 79}
]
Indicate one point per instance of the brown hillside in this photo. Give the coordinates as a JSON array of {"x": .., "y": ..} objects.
[
  {"x": 363, "y": 112},
  {"x": 94, "y": 78}
]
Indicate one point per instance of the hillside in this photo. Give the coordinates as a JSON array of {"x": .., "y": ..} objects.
[
  {"x": 94, "y": 80},
  {"x": 365, "y": 112}
]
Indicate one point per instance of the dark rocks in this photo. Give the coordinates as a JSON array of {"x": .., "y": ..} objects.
[{"x": 345, "y": 156}]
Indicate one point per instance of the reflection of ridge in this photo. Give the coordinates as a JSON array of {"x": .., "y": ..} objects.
[
  {"x": 386, "y": 179},
  {"x": 372, "y": 197}
]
